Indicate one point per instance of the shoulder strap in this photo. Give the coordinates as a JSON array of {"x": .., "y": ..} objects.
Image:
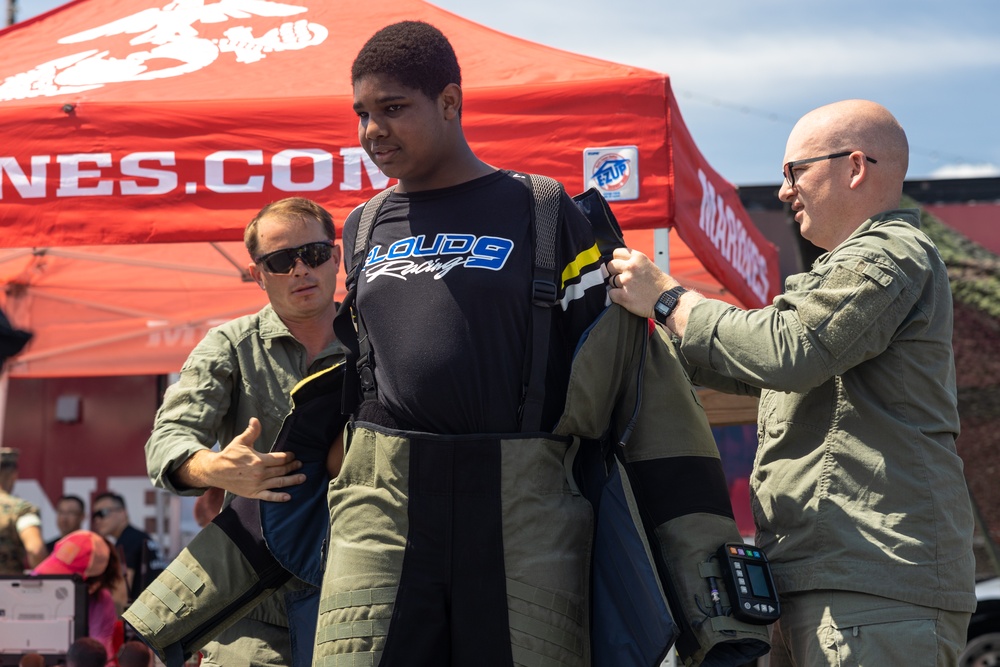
[
  {"x": 355, "y": 340},
  {"x": 547, "y": 196},
  {"x": 361, "y": 240}
]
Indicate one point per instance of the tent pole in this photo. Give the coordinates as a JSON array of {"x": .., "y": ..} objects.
[{"x": 661, "y": 248}]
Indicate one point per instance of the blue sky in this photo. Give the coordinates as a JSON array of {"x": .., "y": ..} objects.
[{"x": 743, "y": 72}]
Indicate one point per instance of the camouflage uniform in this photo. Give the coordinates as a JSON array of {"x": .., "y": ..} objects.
[{"x": 13, "y": 556}]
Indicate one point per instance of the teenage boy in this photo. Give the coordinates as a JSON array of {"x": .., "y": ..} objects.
[{"x": 437, "y": 519}]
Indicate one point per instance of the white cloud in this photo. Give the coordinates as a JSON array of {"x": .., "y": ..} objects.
[
  {"x": 763, "y": 67},
  {"x": 766, "y": 52},
  {"x": 966, "y": 171}
]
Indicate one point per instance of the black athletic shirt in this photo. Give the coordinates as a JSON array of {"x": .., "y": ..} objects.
[{"x": 445, "y": 295}]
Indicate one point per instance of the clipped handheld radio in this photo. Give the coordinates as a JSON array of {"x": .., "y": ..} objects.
[{"x": 748, "y": 580}]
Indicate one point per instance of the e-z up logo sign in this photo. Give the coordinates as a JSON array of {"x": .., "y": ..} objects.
[{"x": 614, "y": 170}]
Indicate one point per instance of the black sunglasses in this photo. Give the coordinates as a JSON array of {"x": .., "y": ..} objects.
[
  {"x": 103, "y": 514},
  {"x": 283, "y": 261},
  {"x": 790, "y": 175}
]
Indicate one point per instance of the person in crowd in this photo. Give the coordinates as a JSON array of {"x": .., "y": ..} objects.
[
  {"x": 135, "y": 654},
  {"x": 208, "y": 505},
  {"x": 858, "y": 492},
  {"x": 87, "y": 554},
  {"x": 448, "y": 330},
  {"x": 31, "y": 660},
  {"x": 21, "y": 544},
  {"x": 137, "y": 550},
  {"x": 69, "y": 518},
  {"x": 86, "y": 652},
  {"x": 235, "y": 389}
]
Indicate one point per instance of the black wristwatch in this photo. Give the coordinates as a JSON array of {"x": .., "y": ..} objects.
[{"x": 666, "y": 303}]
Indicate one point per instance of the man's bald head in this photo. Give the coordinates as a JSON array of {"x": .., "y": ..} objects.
[
  {"x": 864, "y": 126},
  {"x": 867, "y": 157}
]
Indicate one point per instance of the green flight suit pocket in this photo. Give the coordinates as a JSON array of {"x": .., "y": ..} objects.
[{"x": 847, "y": 303}]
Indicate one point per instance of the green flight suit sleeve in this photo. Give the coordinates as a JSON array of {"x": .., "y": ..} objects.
[
  {"x": 845, "y": 311},
  {"x": 192, "y": 416}
]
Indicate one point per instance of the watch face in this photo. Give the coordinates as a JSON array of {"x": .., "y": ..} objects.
[
  {"x": 666, "y": 303},
  {"x": 664, "y": 306}
]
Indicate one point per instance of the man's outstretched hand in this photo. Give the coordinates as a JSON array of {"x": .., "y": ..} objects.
[{"x": 242, "y": 470}]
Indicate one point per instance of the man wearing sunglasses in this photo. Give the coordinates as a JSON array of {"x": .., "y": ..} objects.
[
  {"x": 234, "y": 389},
  {"x": 138, "y": 551},
  {"x": 858, "y": 492}
]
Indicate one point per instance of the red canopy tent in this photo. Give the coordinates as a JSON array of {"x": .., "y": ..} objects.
[{"x": 137, "y": 131}]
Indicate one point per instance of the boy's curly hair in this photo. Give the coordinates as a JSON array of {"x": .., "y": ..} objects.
[{"x": 414, "y": 53}]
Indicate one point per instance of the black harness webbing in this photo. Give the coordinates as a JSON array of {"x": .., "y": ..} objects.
[
  {"x": 547, "y": 195},
  {"x": 348, "y": 324},
  {"x": 350, "y": 327}
]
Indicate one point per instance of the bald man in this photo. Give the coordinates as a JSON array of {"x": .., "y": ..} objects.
[{"x": 858, "y": 493}]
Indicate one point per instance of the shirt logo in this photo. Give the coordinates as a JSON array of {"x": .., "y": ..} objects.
[
  {"x": 416, "y": 255},
  {"x": 176, "y": 39}
]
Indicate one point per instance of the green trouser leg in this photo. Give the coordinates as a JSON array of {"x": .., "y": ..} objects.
[{"x": 544, "y": 531}]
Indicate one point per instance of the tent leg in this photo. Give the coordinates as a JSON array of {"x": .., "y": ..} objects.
[{"x": 661, "y": 248}]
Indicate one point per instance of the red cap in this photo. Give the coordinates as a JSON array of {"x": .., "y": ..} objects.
[{"x": 81, "y": 552}]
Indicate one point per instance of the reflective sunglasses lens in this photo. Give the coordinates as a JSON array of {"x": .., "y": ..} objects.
[
  {"x": 314, "y": 254},
  {"x": 281, "y": 261},
  {"x": 311, "y": 254}
]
